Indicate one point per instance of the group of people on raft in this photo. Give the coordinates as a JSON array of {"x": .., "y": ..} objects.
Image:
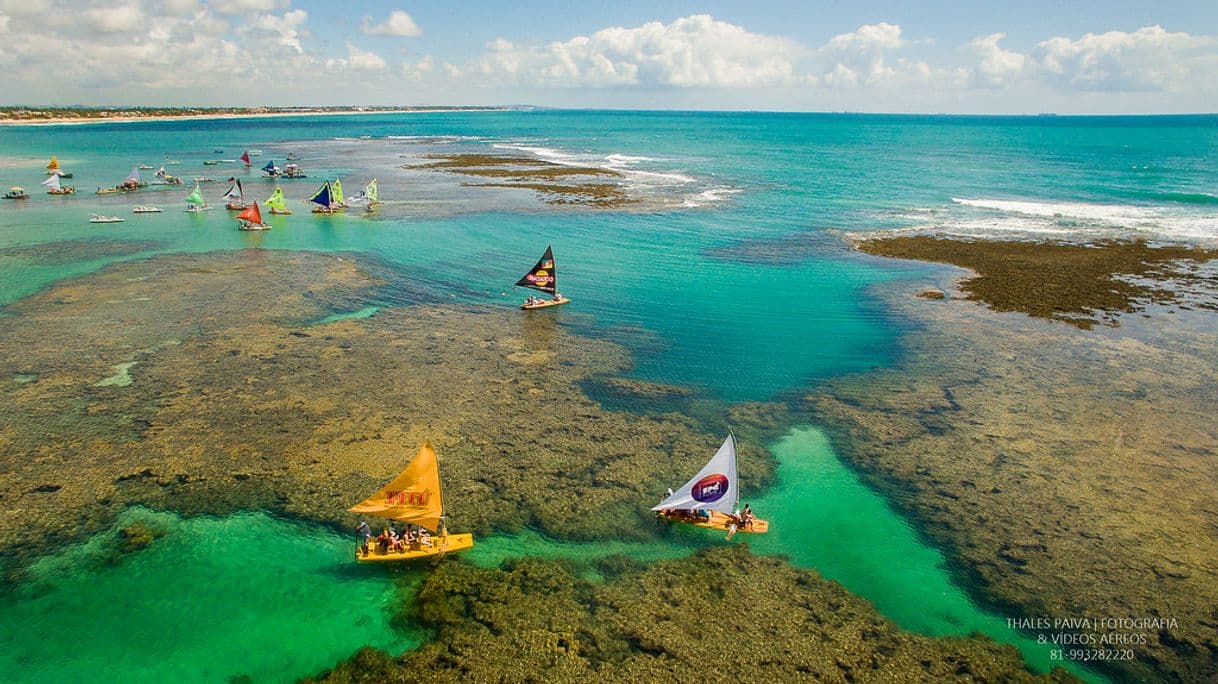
[
  {"x": 742, "y": 519},
  {"x": 409, "y": 538}
]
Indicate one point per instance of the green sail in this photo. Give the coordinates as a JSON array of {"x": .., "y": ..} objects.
[
  {"x": 372, "y": 192},
  {"x": 276, "y": 200},
  {"x": 195, "y": 196},
  {"x": 337, "y": 189}
]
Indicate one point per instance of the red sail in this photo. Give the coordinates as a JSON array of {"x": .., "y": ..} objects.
[
  {"x": 245, "y": 157},
  {"x": 252, "y": 214}
]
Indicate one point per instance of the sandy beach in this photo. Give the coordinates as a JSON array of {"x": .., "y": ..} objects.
[{"x": 128, "y": 118}]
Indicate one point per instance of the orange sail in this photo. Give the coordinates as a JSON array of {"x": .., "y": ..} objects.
[
  {"x": 54, "y": 165},
  {"x": 413, "y": 496},
  {"x": 252, "y": 214}
]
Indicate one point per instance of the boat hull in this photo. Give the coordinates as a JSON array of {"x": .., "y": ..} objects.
[
  {"x": 451, "y": 544},
  {"x": 545, "y": 304},
  {"x": 717, "y": 521},
  {"x": 253, "y": 226}
]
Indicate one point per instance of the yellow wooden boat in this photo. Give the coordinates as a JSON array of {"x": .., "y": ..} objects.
[
  {"x": 543, "y": 303},
  {"x": 412, "y": 497},
  {"x": 544, "y": 277},
  {"x": 711, "y": 498}
]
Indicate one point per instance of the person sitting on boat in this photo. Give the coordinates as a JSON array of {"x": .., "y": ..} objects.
[
  {"x": 382, "y": 541},
  {"x": 365, "y": 536},
  {"x": 424, "y": 538},
  {"x": 558, "y": 296},
  {"x": 746, "y": 516},
  {"x": 395, "y": 542}
]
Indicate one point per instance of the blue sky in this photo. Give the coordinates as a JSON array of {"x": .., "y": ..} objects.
[{"x": 982, "y": 57}]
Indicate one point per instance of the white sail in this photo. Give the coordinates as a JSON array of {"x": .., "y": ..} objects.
[
  {"x": 134, "y": 175},
  {"x": 52, "y": 182},
  {"x": 234, "y": 193},
  {"x": 714, "y": 488}
]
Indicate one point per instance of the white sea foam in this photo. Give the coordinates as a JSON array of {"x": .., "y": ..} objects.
[
  {"x": 1083, "y": 220},
  {"x": 712, "y": 196}
]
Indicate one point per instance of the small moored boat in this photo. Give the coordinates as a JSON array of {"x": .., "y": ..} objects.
[
  {"x": 54, "y": 170},
  {"x": 544, "y": 277},
  {"x": 195, "y": 202},
  {"x": 251, "y": 219},
  {"x": 54, "y": 187},
  {"x": 235, "y": 196},
  {"x": 711, "y": 497},
  {"x": 277, "y": 203},
  {"x": 16, "y": 193},
  {"x": 98, "y": 218},
  {"x": 145, "y": 209},
  {"x": 323, "y": 200},
  {"x": 413, "y": 497}
]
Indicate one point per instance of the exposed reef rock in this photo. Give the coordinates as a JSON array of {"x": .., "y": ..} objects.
[
  {"x": 1083, "y": 285},
  {"x": 557, "y": 184},
  {"x": 723, "y": 615},
  {"x": 235, "y": 403},
  {"x": 1072, "y": 472}
]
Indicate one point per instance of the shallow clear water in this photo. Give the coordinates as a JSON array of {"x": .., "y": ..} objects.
[
  {"x": 665, "y": 280},
  {"x": 213, "y": 598}
]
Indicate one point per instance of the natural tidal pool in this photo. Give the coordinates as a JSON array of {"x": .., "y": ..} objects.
[
  {"x": 208, "y": 600},
  {"x": 250, "y": 594}
]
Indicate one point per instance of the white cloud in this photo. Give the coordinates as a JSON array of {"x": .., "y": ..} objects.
[
  {"x": 996, "y": 66},
  {"x": 415, "y": 71},
  {"x": 1149, "y": 59},
  {"x": 4, "y": 19},
  {"x": 285, "y": 28},
  {"x": 247, "y": 6},
  {"x": 858, "y": 59},
  {"x": 356, "y": 60},
  {"x": 398, "y": 23},
  {"x": 694, "y": 51},
  {"x": 115, "y": 19}
]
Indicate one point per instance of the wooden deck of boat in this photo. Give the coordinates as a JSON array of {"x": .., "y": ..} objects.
[
  {"x": 544, "y": 304},
  {"x": 721, "y": 521},
  {"x": 439, "y": 545}
]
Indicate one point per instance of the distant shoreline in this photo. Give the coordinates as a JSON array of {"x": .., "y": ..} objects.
[{"x": 127, "y": 116}]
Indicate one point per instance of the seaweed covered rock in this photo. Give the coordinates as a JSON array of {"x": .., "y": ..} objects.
[
  {"x": 229, "y": 405},
  {"x": 723, "y": 611},
  {"x": 1071, "y": 473}
]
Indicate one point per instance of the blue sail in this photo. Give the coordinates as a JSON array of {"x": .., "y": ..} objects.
[
  {"x": 322, "y": 198},
  {"x": 270, "y": 166}
]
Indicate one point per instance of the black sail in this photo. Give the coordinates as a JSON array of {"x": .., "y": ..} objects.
[{"x": 542, "y": 276}]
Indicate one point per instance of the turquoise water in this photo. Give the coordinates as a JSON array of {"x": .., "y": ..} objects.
[
  {"x": 728, "y": 278},
  {"x": 211, "y": 599}
]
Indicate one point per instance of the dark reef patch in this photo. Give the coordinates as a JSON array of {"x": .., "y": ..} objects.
[
  {"x": 726, "y": 611},
  {"x": 1083, "y": 285}
]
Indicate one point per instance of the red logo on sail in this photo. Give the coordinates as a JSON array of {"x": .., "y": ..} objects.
[
  {"x": 408, "y": 498},
  {"x": 710, "y": 488}
]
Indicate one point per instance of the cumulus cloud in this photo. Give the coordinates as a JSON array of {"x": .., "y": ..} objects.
[
  {"x": 861, "y": 59},
  {"x": 247, "y": 6},
  {"x": 285, "y": 29},
  {"x": 996, "y": 67},
  {"x": 116, "y": 18},
  {"x": 357, "y": 59},
  {"x": 1149, "y": 59},
  {"x": 398, "y": 23},
  {"x": 694, "y": 51}
]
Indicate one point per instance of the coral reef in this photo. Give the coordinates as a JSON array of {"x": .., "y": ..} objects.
[
  {"x": 722, "y": 615},
  {"x": 1083, "y": 285},
  {"x": 234, "y": 402},
  {"x": 1071, "y": 472}
]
